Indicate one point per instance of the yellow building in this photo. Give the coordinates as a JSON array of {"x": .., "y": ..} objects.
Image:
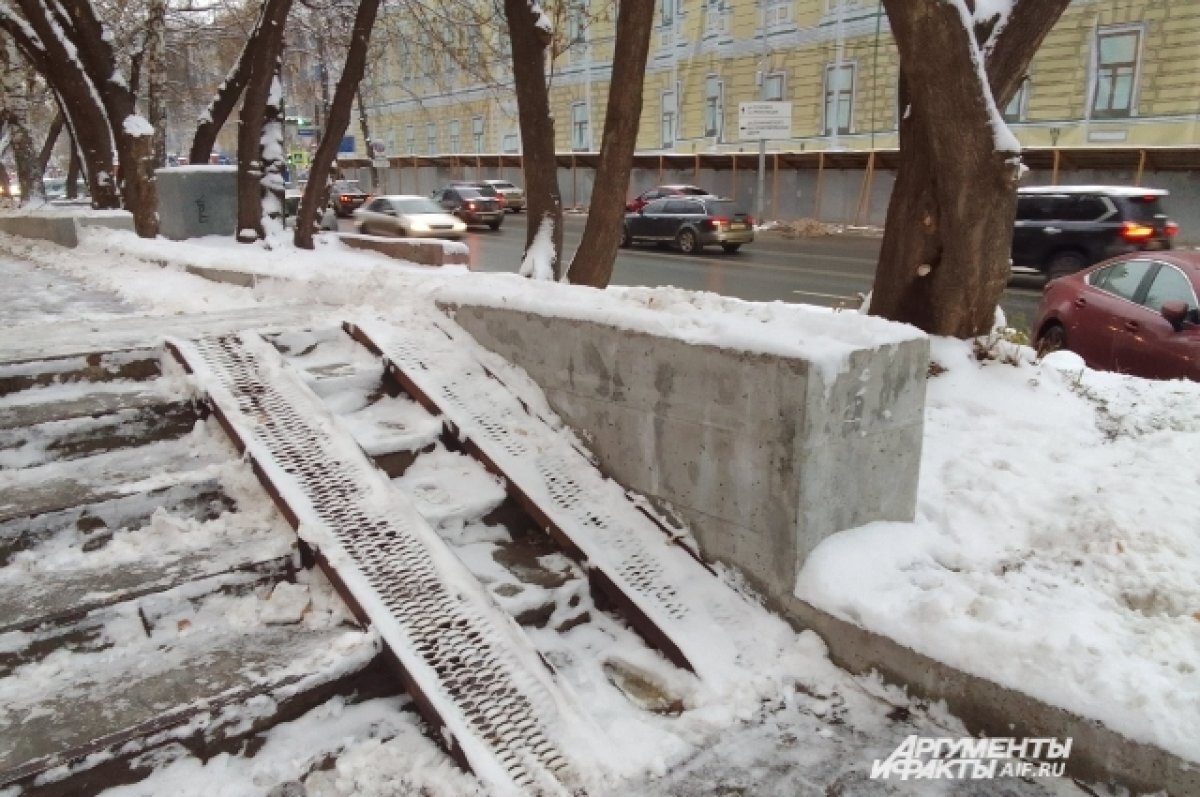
[{"x": 1112, "y": 73}]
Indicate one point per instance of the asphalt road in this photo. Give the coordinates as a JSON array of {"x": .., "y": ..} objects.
[{"x": 828, "y": 271}]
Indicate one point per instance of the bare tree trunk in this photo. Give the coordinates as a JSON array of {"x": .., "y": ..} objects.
[
  {"x": 132, "y": 133},
  {"x": 530, "y": 35},
  {"x": 74, "y": 167},
  {"x": 593, "y": 261},
  {"x": 944, "y": 259},
  {"x": 56, "y": 128},
  {"x": 14, "y": 107},
  {"x": 86, "y": 118},
  {"x": 368, "y": 142},
  {"x": 156, "y": 78},
  {"x": 336, "y": 122},
  {"x": 263, "y": 68}
]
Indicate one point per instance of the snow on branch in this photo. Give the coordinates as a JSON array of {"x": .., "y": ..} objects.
[{"x": 1002, "y": 136}]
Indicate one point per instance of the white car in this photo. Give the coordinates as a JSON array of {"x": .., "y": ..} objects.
[
  {"x": 514, "y": 198},
  {"x": 408, "y": 217}
]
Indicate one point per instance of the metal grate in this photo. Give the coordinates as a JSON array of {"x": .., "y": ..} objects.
[
  {"x": 501, "y": 705},
  {"x": 591, "y": 510}
]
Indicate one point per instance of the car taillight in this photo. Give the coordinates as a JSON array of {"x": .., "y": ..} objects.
[
  {"x": 750, "y": 221},
  {"x": 1171, "y": 229},
  {"x": 345, "y": 197},
  {"x": 718, "y": 222},
  {"x": 1132, "y": 231},
  {"x": 470, "y": 206}
]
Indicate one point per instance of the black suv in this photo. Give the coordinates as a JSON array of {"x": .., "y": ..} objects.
[{"x": 1062, "y": 229}]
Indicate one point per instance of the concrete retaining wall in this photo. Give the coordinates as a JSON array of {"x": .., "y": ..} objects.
[
  {"x": 429, "y": 253},
  {"x": 754, "y": 452},
  {"x": 1098, "y": 754},
  {"x": 62, "y": 229}
]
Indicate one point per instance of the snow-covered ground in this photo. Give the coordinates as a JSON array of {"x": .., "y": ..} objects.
[{"x": 1055, "y": 549}]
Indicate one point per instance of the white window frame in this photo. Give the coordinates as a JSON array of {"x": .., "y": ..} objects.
[
  {"x": 1018, "y": 105},
  {"x": 832, "y": 126},
  {"x": 777, "y": 14},
  {"x": 714, "y": 106},
  {"x": 716, "y": 17},
  {"x": 455, "y": 136},
  {"x": 777, "y": 78},
  {"x": 477, "y": 133},
  {"x": 581, "y": 128},
  {"x": 511, "y": 142},
  {"x": 431, "y": 138},
  {"x": 410, "y": 139},
  {"x": 669, "y": 119}
]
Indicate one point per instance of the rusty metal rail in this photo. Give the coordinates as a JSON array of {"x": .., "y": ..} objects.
[
  {"x": 628, "y": 558},
  {"x": 474, "y": 678}
]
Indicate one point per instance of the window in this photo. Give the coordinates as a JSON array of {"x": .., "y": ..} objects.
[
  {"x": 410, "y": 140},
  {"x": 773, "y": 86},
  {"x": 714, "y": 106},
  {"x": 839, "y": 98},
  {"x": 430, "y": 139},
  {"x": 1116, "y": 73},
  {"x": 716, "y": 20},
  {"x": 1123, "y": 279},
  {"x": 1015, "y": 110},
  {"x": 777, "y": 13},
  {"x": 669, "y": 119},
  {"x": 1169, "y": 285},
  {"x": 455, "y": 136},
  {"x": 576, "y": 30},
  {"x": 669, "y": 9},
  {"x": 477, "y": 133},
  {"x": 511, "y": 143},
  {"x": 581, "y": 140}
]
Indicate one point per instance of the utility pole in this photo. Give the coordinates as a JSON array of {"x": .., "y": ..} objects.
[{"x": 762, "y": 142}]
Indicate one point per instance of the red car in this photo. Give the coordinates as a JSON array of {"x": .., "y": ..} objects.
[
  {"x": 1136, "y": 314},
  {"x": 660, "y": 191}
]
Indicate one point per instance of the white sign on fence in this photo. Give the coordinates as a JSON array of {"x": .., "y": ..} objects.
[{"x": 763, "y": 120}]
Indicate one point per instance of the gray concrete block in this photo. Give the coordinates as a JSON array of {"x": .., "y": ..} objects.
[
  {"x": 758, "y": 455},
  {"x": 194, "y": 201},
  {"x": 61, "y": 228},
  {"x": 428, "y": 253}
]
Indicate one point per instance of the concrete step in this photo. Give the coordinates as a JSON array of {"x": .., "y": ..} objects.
[
  {"x": 71, "y": 438},
  {"x": 58, "y": 402},
  {"x": 182, "y": 671}
]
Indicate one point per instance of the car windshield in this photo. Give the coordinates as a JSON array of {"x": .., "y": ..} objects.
[
  {"x": 504, "y": 186},
  {"x": 345, "y": 187},
  {"x": 469, "y": 193},
  {"x": 691, "y": 190},
  {"x": 416, "y": 206},
  {"x": 1145, "y": 208}
]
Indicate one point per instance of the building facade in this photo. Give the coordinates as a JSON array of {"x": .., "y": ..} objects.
[{"x": 1112, "y": 73}]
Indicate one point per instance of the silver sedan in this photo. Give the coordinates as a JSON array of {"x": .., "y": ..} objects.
[{"x": 407, "y": 217}]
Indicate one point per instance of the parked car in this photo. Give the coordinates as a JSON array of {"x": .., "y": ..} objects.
[
  {"x": 347, "y": 196},
  {"x": 485, "y": 188},
  {"x": 1137, "y": 314},
  {"x": 514, "y": 197},
  {"x": 470, "y": 204},
  {"x": 1062, "y": 229},
  {"x": 408, "y": 217},
  {"x": 690, "y": 223},
  {"x": 660, "y": 191}
]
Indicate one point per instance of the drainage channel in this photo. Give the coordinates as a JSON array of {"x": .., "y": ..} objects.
[
  {"x": 474, "y": 678},
  {"x": 628, "y": 557}
]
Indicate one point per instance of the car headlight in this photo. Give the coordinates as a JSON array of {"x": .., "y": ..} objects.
[
  {"x": 419, "y": 226},
  {"x": 459, "y": 226}
]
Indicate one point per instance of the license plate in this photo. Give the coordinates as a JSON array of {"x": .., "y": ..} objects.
[
  {"x": 736, "y": 226},
  {"x": 1153, "y": 244}
]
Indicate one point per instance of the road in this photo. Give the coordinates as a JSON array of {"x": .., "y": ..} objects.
[{"x": 828, "y": 271}]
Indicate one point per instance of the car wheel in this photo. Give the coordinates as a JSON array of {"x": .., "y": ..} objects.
[
  {"x": 1064, "y": 263},
  {"x": 1053, "y": 338},
  {"x": 731, "y": 248},
  {"x": 626, "y": 240},
  {"x": 687, "y": 243},
  {"x": 495, "y": 225}
]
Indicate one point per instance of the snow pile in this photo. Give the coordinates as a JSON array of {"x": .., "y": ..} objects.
[{"x": 1056, "y": 544}]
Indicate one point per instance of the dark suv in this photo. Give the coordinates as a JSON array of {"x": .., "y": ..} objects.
[
  {"x": 1062, "y": 229},
  {"x": 470, "y": 204},
  {"x": 690, "y": 223},
  {"x": 347, "y": 196}
]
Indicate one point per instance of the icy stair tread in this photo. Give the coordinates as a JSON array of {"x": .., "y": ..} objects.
[
  {"x": 28, "y": 408},
  {"x": 134, "y": 690},
  {"x": 468, "y": 663}
]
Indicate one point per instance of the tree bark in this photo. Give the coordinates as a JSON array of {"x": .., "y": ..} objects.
[
  {"x": 14, "y": 107},
  {"x": 944, "y": 259},
  {"x": 156, "y": 78},
  {"x": 593, "y": 261},
  {"x": 252, "y": 165},
  {"x": 336, "y": 122},
  {"x": 133, "y": 135},
  {"x": 217, "y": 113},
  {"x": 52, "y": 135},
  {"x": 86, "y": 118},
  {"x": 542, "y": 198}
]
